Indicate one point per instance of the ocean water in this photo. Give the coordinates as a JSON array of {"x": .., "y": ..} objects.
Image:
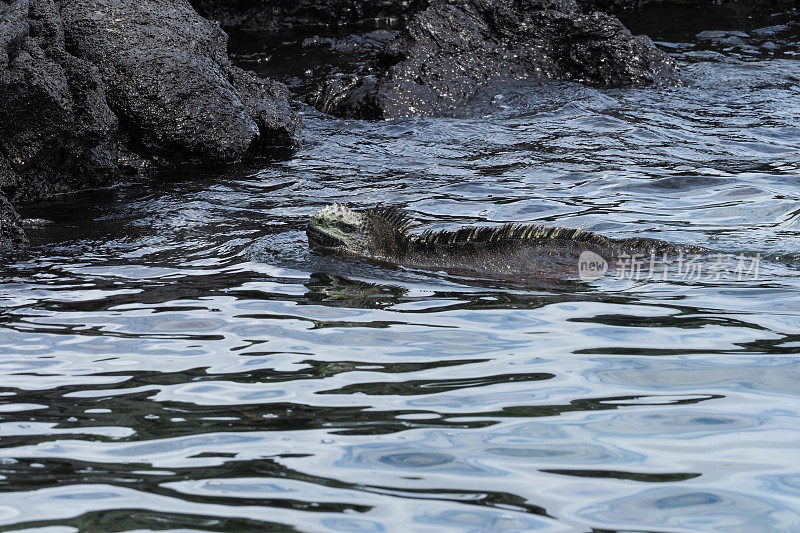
[{"x": 174, "y": 357}]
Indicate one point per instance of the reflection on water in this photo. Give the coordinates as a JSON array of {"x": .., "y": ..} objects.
[{"x": 175, "y": 357}]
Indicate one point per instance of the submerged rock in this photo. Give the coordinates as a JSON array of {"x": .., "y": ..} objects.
[
  {"x": 775, "y": 39},
  {"x": 370, "y": 42},
  {"x": 724, "y": 38},
  {"x": 771, "y": 31},
  {"x": 449, "y": 51}
]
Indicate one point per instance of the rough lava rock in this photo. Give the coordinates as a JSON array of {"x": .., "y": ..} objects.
[
  {"x": 11, "y": 234},
  {"x": 170, "y": 80},
  {"x": 94, "y": 90},
  {"x": 55, "y": 125},
  {"x": 451, "y": 50}
]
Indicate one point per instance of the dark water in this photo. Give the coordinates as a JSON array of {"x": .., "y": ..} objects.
[{"x": 175, "y": 358}]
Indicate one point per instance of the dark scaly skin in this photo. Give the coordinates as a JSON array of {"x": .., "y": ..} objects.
[{"x": 510, "y": 252}]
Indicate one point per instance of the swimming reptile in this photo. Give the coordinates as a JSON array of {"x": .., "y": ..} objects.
[{"x": 510, "y": 252}]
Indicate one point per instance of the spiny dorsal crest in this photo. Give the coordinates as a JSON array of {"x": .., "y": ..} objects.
[
  {"x": 488, "y": 234},
  {"x": 396, "y": 218}
]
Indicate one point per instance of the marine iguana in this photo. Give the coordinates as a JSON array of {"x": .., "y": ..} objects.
[{"x": 510, "y": 252}]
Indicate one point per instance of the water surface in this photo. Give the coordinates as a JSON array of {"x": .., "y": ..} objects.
[{"x": 175, "y": 358}]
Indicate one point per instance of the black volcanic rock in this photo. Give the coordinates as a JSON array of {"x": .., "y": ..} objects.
[
  {"x": 449, "y": 51},
  {"x": 55, "y": 125},
  {"x": 11, "y": 233},
  {"x": 92, "y": 90},
  {"x": 261, "y": 15},
  {"x": 170, "y": 80}
]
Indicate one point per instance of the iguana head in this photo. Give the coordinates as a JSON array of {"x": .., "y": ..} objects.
[{"x": 377, "y": 233}]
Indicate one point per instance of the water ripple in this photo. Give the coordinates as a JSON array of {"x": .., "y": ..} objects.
[{"x": 175, "y": 357}]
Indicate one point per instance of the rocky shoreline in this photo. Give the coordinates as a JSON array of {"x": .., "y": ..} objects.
[
  {"x": 450, "y": 50},
  {"x": 94, "y": 91}
]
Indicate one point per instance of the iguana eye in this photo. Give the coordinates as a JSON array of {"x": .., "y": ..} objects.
[{"x": 348, "y": 227}]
